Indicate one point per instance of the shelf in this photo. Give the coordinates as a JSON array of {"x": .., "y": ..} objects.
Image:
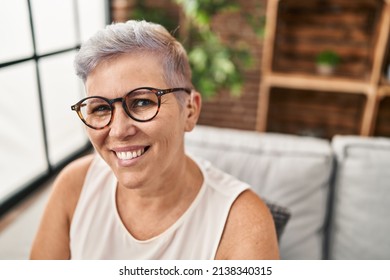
[
  {"x": 314, "y": 112},
  {"x": 315, "y": 82},
  {"x": 296, "y": 31},
  {"x": 305, "y": 28}
]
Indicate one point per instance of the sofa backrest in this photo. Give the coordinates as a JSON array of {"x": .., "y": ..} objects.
[
  {"x": 291, "y": 171},
  {"x": 360, "y": 223}
]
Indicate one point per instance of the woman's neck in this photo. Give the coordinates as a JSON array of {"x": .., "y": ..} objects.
[{"x": 159, "y": 206}]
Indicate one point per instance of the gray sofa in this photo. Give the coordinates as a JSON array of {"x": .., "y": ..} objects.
[{"x": 338, "y": 192}]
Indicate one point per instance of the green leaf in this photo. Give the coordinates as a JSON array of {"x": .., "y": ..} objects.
[{"x": 198, "y": 58}]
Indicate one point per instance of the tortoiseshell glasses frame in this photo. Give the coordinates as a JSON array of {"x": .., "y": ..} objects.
[{"x": 141, "y": 104}]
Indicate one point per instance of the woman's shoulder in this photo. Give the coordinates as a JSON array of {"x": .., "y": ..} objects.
[
  {"x": 69, "y": 182},
  {"x": 73, "y": 174},
  {"x": 250, "y": 222},
  {"x": 79, "y": 166},
  {"x": 52, "y": 239}
]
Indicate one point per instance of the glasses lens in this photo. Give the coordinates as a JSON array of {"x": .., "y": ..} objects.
[
  {"x": 96, "y": 112},
  {"x": 142, "y": 104}
]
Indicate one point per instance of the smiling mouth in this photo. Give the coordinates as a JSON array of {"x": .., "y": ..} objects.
[{"x": 131, "y": 154}]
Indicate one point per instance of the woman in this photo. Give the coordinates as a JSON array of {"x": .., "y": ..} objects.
[{"x": 141, "y": 196}]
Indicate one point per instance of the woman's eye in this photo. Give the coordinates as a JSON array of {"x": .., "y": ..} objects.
[
  {"x": 142, "y": 103},
  {"x": 100, "y": 109}
]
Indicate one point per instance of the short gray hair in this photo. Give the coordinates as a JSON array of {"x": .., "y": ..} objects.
[{"x": 132, "y": 37}]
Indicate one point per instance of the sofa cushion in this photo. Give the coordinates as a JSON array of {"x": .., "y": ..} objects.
[
  {"x": 291, "y": 171},
  {"x": 360, "y": 227}
]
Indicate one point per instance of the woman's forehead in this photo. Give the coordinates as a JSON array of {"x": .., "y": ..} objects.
[{"x": 124, "y": 73}]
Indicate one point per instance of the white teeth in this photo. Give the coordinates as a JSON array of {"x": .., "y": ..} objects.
[{"x": 130, "y": 155}]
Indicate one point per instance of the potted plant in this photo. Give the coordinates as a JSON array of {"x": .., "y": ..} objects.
[
  {"x": 326, "y": 62},
  {"x": 216, "y": 65}
]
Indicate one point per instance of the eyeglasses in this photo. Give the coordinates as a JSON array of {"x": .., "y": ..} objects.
[{"x": 141, "y": 104}]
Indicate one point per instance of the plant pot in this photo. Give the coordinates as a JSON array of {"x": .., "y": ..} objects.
[{"x": 325, "y": 69}]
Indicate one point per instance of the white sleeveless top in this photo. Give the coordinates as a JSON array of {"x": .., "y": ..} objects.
[{"x": 97, "y": 231}]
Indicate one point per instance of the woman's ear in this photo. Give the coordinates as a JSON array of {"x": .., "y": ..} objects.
[{"x": 193, "y": 107}]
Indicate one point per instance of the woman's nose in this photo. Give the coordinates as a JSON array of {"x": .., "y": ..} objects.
[{"x": 121, "y": 124}]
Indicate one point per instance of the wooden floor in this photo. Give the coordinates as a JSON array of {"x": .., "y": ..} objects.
[{"x": 19, "y": 225}]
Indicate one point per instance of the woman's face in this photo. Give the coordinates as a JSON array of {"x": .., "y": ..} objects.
[{"x": 138, "y": 153}]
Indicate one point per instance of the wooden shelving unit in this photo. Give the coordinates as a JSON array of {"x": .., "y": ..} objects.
[
  {"x": 384, "y": 88},
  {"x": 298, "y": 30}
]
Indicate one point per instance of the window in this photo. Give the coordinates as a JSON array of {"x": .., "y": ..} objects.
[{"x": 39, "y": 133}]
